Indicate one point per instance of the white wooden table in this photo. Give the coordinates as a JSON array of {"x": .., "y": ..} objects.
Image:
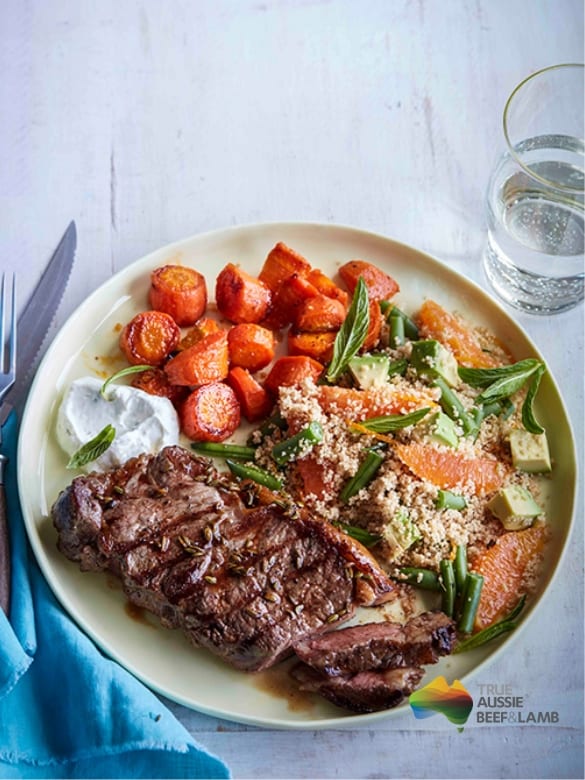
[{"x": 147, "y": 122}]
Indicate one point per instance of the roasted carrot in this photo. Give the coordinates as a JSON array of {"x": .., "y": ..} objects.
[
  {"x": 381, "y": 286},
  {"x": 287, "y": 300},
  {"x": 327, "y": 286},
  {"x": 282, "y": 262},
  {"x": 374, "y": 328},
  {"x": 320, "y": 313},
  {"x": 255, "y": 401},
  {"x": 250, "y": 346},
  {"x": 241, "y": 297},
  {"x": 292, "y": 370},
  {"x": 210, "y": 413},
  {"x": 156, "y": 382},
  {"x": 179, "y": 291},
  {"x": 149, "y": 338},
  {"x": 316, "y": 345},
  {"x": 204, "y": 362},
  {"x": 203, "y": 327}
]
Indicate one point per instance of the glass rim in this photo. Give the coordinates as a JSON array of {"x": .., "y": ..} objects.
[{"x": 517, "y": 88}]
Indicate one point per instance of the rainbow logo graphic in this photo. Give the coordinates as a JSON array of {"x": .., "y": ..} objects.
[{"x": 452, "y": 701}]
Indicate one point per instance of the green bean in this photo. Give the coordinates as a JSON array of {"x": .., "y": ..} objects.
[
  {"x": 460, "y": 567},
  {"x": 363, "y": 476},
  {"x": 448, "y": 500},
  {"x": 448, "y": 586},
  {"x": 427, "y": 579},
  {"x": 360, "y": 534},
  {"x": 507, "y": 623},
  {"x": 256, "y": 474},
  {"x": 453, "y": 407},
  {"x": 218, "y": 450},
  {"x": 470, "y": 601},
  {"x": 410, "y": 329},
  {"x": 287, "y": 450},
  {"x": 397, "y": 335}
]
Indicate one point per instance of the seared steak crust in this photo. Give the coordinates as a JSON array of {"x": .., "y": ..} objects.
[
  {"x": 374, "y": 646},
  {"x": 244, "y": 581}
]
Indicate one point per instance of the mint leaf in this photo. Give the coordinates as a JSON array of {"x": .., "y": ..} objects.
[
  {"x": 92, "y": 449},
  {"x": 352, "y": 333}
]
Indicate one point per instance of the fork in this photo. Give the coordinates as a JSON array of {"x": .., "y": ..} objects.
[{"x": 7, "y": 377}]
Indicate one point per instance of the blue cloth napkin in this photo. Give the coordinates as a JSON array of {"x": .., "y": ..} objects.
[{"x": 65, "y": 709}]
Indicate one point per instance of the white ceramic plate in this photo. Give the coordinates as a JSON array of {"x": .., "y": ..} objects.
[{"x": 88, "y": 343}]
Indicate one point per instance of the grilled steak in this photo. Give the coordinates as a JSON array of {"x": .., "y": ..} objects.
[
  {"x": 375, "y": 646},
  {"x": 362, "y": 692},
  {"x": 246, "y": 582}
]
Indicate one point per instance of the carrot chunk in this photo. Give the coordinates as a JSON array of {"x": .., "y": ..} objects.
[
  {"x": 203, "y": 327},
  {"x": 503, "y": 567},
  {"x": 316, "y": 345},
  {"x": 179, "y": 291},
  {"x": 320, "y": 313},
  {"x": 327, "y": 286},
  {"x": 204, "y": 362},
  {"x": 250, "y": 346},
  {"x": 241, "y": 297},
  {"x": 448, "y": 469},
  {"x": 210, "y": 413},
  {"x": 292, "y": 370},
  {"x": 149, "y": 338},
  {"x": 380, "y": 285},
  {"x": 281, "y": 262},
  {"x": 255, "y": 401},
  {"x": 156, "y": 382},
  {"x": 437, "y": 323},
  {"x": 288, "y": 298},
  {"x": 374, "y": 328}
]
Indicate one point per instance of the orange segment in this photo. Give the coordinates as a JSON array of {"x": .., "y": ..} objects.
[
  {"x": 362, "y": 404},
  {"x": 448, "y": 469},
  {"x": 503, "y": 567},
  {"x": 437, "y": 323}
]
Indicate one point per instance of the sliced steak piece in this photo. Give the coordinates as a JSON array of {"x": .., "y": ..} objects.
[
  {"x": 245, "y": 582},
  {"x": 375, "y": 646},
  {"x": 362, "y": 692}
]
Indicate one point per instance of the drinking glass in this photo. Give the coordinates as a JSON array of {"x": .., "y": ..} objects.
[{"x": 534, "y": 257}]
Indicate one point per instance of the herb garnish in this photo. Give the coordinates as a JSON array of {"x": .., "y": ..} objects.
[
  {"x": 391, "y": 422},
  {"x": 359, "y": 534},
  {"x": 92, "y": 449},
  {"x": 123, "y": 372},
  {"x": 352, "y": 333}
]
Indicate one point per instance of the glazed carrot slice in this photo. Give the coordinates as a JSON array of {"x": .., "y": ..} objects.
[
  {"x": 316, "y": 345},
  {"x": 203, "y": 327},
  {"x": 292, "y": 370},
  {"x": 381, "y": 286},
  {"x": 320, "y": 313},
  {"x": 437, "y": 323},
  {"x": 241, "y": 297},
  {"x": 149, "y": 338},
  {"x": 250, "y": 346},
  {"x": 179, "y": 291},
  {"x": 374, "y": 328},
  {"x": 503, "y": 567},
  {"x": 449, "y": 469},
  {"x": 282, "y": 262},
  {"x": 210, "y": 413},
  {"x": 255, "y": 402},
  {"x": 204, "y": 362},
  {"x": 327, "y": 286}
]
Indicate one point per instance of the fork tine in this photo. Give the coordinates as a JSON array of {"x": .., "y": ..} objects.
[
  {"x": 2, "y": 307},
  {"x": 12, "y": 367},
  {"x": 8, "y": 337}
]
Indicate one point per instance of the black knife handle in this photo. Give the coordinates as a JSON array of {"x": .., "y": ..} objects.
[{"x": 4, "y": 546}]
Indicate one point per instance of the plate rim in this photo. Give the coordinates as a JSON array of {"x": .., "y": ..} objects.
[{"x": 215, "y": 235}]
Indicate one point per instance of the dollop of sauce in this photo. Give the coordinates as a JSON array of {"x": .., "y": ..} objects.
[{"x": 144, "y": 423}]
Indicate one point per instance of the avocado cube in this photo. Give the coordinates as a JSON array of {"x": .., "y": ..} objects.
[
  {"x": 400, "y": 532},
  {"x": 444, "y": 430},
  {"x": 515, "y": 507},
  {"x": 370, "y": 371},
  {"x": 530, "y": 451},
  {"x": 431, "y": 359}
]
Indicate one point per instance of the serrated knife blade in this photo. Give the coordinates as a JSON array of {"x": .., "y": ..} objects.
[{"x": 38, "y": 314}]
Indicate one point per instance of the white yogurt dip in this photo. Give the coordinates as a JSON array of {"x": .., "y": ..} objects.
[{"x": 144, "y": 423}]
